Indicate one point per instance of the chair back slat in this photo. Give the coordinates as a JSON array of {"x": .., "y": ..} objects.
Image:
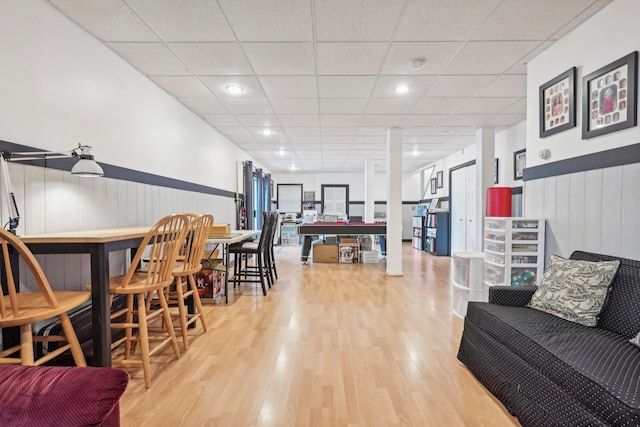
[
  {"x": 163, "y": 241},
  {"x": 7, "y": 240},
  {"x": 196, "y": 242}
]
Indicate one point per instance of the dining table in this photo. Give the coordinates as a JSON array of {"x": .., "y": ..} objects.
[{"x": 98, "y": 244}]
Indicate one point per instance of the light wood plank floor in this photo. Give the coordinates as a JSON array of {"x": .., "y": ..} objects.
[{"x": 331, "y": 345}]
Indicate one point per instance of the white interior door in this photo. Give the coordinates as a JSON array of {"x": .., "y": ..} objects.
[
  {"x": 458, "y": 210},
  {"x": 335, "y": 201},
  {"x": 470, "y": 198}
]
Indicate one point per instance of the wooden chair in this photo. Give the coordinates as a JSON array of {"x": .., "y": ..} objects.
[
  {"x": 259, "y": 272},
  {"x": 184, "y": 280},
  {"x": 23, "y": 309},
  {"x": 163, "y": 243}
]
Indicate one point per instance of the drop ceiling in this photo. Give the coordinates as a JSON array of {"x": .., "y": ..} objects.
[{"x": 319, "y": 77}]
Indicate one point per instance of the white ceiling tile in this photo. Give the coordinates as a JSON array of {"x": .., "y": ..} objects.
[
  {"x": 528, "y": 20},
  {"x": 168, "y": 17},
  {"x": 338, "y": 130},
  {"x": 248, "y": 106},
  {"x": 437, "y": 105},
  {"x": 503, "y": 120},
  {"x": 586, "y": 14},
  {"x": 371, "y": 130},
  {"x": 218, "y": 85},
  {"x": 295, "y": 106},
  {"x": 273, "y": 20},
  {"x": 276, "y": 135},
  {"x": 110, "y": 21},
  {"x": 305, "y": 141},
  {"x": 246, "y": 140},
  {"x": 278, "y": 59},
  {"x": 423, "y": 119},
  {"x": 289, "y": 86},
  {"x": 345, "y": 86},
  {"x": 439, "y": 20},
  {"x": 459, "y": 86},
  {"x": 385, "y": 120},
  {"x": 369, "y": 140},
  {"x": 340, "y": 119},
  {"x": 223, "y": 59},
  {"x": 233, "y": 131},
  {"x": 296, "y": 131},
  {"x": 464, "y": 119},
  {"x": 436, "y": 55},
  {"x": 494, "y": 57},
  {"x": 204, "y": 105},
  {"x": 506, "y": 86},
  {"x": 151, "y": 58},
  {"x": 350, "y": 58},
  {"x": 182, "y": 86},
  {"x": 390, "y": 105},
  {"x": 521, "y": 66},
  {"x": 258, "y": 119},
  {"x": 519, "y": 107},
  {"x": 485, "y": 105},
  {"x": 299, "y": 119},
  {"x": 221, "y": 120},
  {"x": 342, "y": 106},
  {"x": 356, "y": 20},
  {"x": 418, "y": 85}
]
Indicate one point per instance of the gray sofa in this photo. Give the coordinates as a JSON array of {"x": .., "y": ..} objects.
[{"x": 548, "y": 371}]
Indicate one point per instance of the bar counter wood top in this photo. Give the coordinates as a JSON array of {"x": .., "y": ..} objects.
[{"x": 103, "y": 235}]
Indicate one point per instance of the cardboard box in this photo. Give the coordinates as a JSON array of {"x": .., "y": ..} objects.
[
  {"x": 221, "y": 229},
  {"x": 349, "y": 253},
  {"x": 324, "y": 253},
  {"x": 346, "y": 239},
  {"x": 210, "y": 278}
]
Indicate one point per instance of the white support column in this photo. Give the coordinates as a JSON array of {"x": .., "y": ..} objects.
[
  {"x": 394, "y": 202},
  {"x": 369, "y": 193},
  {"x": 485, "y": 153}
]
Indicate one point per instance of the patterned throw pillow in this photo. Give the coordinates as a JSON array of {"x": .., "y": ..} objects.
[
  {"x": 574, "y": 290},
  {"x": 635, "y": 341}
]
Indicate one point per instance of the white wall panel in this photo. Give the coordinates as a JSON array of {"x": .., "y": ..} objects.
[
  {"x": 549, "y": 211},
  {"x": 630, "y": 210},
  {"x": 562, "y": 214},
  {"x": 593, "y": 211},
  {"x": 576, "y": 209},
  {"x": 611, "y": 210}
]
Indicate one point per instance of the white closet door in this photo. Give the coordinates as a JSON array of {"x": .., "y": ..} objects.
[
  {"x": 458, "y": 210},
  {"x": 470, "y": 198},
  {"x": 335, "y": 201}
]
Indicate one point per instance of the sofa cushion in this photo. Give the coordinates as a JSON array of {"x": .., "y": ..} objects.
[
  {"x": 620, "y": 313},
  {"x": 59, "y": 396},
  {"x": 596, "y": 365},
  {"x": 635, "y": 340},
  {"x": 574, "y": 290}
]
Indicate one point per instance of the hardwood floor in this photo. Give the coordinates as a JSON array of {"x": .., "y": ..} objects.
[{"x": 331, "y": 345}]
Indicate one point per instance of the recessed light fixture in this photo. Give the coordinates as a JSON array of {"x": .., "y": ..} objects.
[
  {"x": 417, "y": 63},
  {"x": 267, "y": 132},
  {"x": 293, "y": 167},
  {"x": 234, "y": 89},
  {"x": 400, "y": 89},
  {"x": 282, "y": 152}
]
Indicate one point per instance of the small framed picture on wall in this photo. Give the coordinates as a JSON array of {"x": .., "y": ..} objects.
[
  {"x": 557, "y": 103},
  {"x": 439, "y": 179},
  {"x": 519, "y": 163},
  {"x": 609, "y": 97},
  {"x": 433, "y": 186}
]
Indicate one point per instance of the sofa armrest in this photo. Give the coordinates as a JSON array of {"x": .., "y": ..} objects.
[
  {"x": 514, "y": 296},
  {"x": 61, "y": 396}
]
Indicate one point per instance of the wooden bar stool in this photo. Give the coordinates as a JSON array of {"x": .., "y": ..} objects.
[
  {"x": 23, "y": 309},
  {"x": 163, "y": 243}
]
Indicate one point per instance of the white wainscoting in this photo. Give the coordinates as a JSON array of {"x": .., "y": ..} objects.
[
  {"x": 51, "y": 201},
  {"x": 596, "y": 211}
]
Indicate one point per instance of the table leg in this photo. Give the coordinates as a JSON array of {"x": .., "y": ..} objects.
[
  {"x": 225, "y": 248},
  {"x": 101, "y": 310},
  {"x": 306, "y": 248}
]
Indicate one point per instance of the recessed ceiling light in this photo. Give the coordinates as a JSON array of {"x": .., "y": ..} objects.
[
  {"x": 234, "y": 89},
  {"x": 267, "y": 132},
  {"x": 400, "y": 89},
  {"x": 418, "y": 63},
  {"x": 293, "y": 167}
]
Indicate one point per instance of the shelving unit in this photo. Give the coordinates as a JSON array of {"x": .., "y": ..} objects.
[
  {"x": 466, "y": 280},
  {"x": 436, "y": 239},
  {"x": 514, "y": 251},
  {"x": 417, "y": 238}
]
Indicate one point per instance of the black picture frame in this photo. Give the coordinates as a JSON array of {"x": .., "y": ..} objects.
[
  {"x": 609, "y": 97},
  {"x": 439, "y": 179},
  {"x": 495, "y": 171},
  {"x": 519, "y": 163},
  {"x": 558, "y": 103},
  {"x": 433, "y": 186}
]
